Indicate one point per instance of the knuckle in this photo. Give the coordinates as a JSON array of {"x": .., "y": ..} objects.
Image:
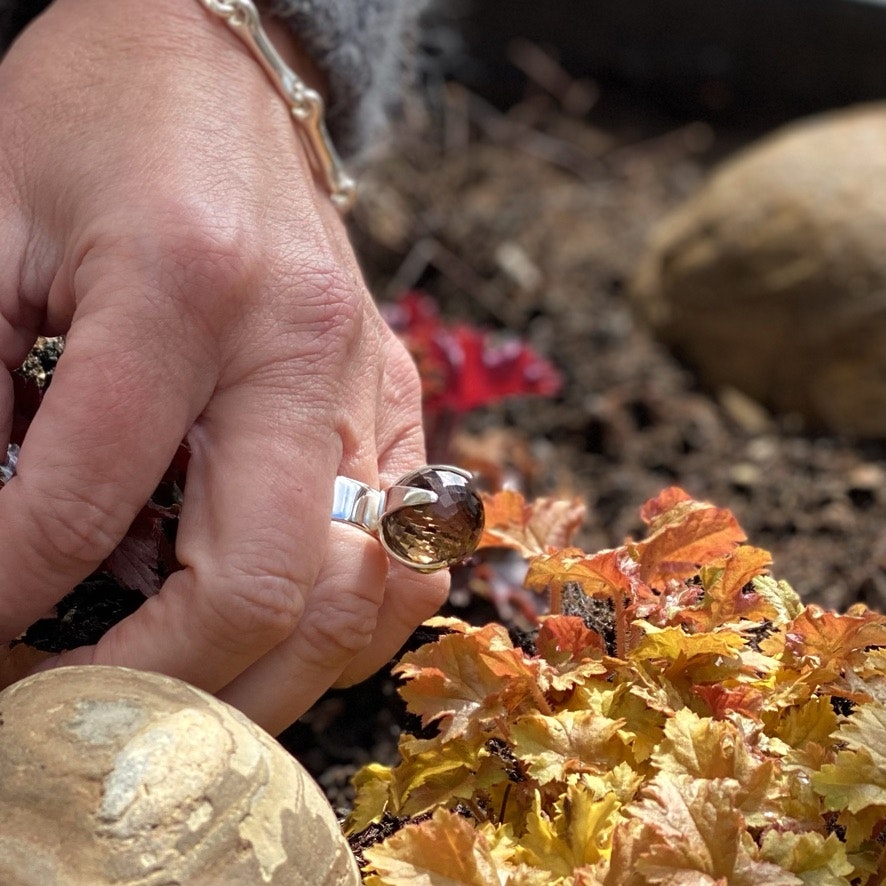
[
  {"x": 190, "y": 249},
  {"x": 75, "y": 527},
  {"x": 196, "y": 254},
  {"x": 258, "y": 604},
  {"x": 337, "y": 630}
]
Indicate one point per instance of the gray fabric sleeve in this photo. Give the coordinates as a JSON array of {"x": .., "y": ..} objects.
[{"x": 365, "y": 49}]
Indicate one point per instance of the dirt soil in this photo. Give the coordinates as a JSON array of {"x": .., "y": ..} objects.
[{"x": 532, "y": 221}]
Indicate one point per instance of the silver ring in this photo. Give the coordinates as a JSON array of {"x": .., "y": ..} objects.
[{"x": 429, "y": 519}]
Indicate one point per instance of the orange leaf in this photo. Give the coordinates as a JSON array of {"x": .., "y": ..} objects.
[
  {"x": 725, "y": 598},
  {"x": 530, "y": 527},
  {"x": 669, "y": 501},
  {"x": 445, "y": 850},
  {"x": 723, "y": 700},
  {"x": 567, "y": 636},
  {"x": 685, "y": 537},
  {"x": 833, "y": 640},
  {"x": 597, "y": 574},
  {"x": 466, "y": 679},
  {"x": 572, "y": 650}
]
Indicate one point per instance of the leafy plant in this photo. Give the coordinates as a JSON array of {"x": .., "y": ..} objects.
[
  {"x": 679, "y": 718},
  {"x": 462, "y": 367}
]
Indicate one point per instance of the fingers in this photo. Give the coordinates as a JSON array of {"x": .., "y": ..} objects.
[
  {"x": 340, "y": 620},
  {"x": 359, "y": 613},
  {"x": 105, "y": 432},
  {"x": 363, "y": 607},
  {"x": 251, "y": 539},
  {"x": 6, "y": 404}
]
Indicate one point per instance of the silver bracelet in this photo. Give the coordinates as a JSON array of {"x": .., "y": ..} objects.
[{"x": 305, "y": 104}]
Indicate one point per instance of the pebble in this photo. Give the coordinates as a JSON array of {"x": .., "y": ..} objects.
[
  {"x": 772, "y": 279},
  {"x": 110, "y": 776}
]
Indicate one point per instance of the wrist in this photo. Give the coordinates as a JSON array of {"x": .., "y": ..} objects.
[{"x": 306, "y": 104}]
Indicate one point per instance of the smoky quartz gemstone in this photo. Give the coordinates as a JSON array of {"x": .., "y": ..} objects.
[{"x": 444, "y": 533}]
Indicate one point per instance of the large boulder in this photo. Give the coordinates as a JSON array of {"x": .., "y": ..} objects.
[
  {"x": 773, "y": 278},
  {"x": 114, "y": 776}
]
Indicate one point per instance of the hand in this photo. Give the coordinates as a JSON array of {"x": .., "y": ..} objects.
[{"x": 157, "y": 207}]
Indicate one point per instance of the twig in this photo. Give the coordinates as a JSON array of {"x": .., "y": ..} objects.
[
  {"x": 576, "y": 96},
  {"x": 501, "y": 129},
  {"x": 430, "y": 252}
]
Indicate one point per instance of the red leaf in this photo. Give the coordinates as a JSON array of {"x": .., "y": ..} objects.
[
  {"x": 144, "y": 556},
  {"x": 462, "y": 367},
  {"x": 746, "y": 700}
]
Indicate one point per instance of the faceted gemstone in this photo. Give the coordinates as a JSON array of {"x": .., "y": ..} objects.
[{"x": 438, "y": 534}]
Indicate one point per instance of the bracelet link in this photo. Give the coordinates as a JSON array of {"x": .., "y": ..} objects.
[{"x": 305, "y": 104}]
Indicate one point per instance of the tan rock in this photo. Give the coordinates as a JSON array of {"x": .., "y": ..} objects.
[
  {"x": 114, "y": 776},
  {"x": 773, "y": 278}
]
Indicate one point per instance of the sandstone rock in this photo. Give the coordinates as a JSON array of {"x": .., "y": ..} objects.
[
  {"x": 114, "y": 776},
  {"x": 773, "y": 278}
]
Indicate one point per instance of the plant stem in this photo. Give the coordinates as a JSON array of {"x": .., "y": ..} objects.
[
  {"x": 621, "y": 644},
  {"x": 475, "y": 809},
  {"x": 504, "y": 803}
]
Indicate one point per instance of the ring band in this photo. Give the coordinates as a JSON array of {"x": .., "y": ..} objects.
[{"x": 429, "y": 519}]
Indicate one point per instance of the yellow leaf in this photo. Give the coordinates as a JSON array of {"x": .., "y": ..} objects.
[
  {"x": 704, "y": 748},
  {"x": 623, "y": 781},
  {"x": 856, "y": 780},
  {"x": 864, "y": 730},
  {"x": 688, "y": 831},
  {"x": 817, "y": 860},
  {"x": 444, "y": 772},
  {"x": 372, "y": 784},
  {"x": 781, "y": 596},
  {"x": 579, "y": 834},
  {"x": 671, "y": 643},
  {"x": 553, "y": 747},
  {"x": 445, "y": 850},
  {"x": 810, "y": 722}
]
